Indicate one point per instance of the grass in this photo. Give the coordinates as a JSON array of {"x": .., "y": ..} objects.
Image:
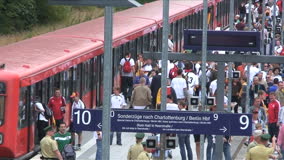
[{"x": 78, "y": 15}]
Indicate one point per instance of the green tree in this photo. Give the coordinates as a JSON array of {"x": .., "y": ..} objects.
[
  {"x": 17, "y": 15},
  {"x": 48, "y": 13}
]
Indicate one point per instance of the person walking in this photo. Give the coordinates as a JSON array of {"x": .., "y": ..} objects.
[
  {"x": 273, "y": 111},
  {"x": 137, "y": 148},
  {"x": 117, "y": 102},
  {"x": 77, "y": 104},
  {"x": 180, "y": 86},
  {"x": 49, "y": 147},
  {"x": 42, "y": 122},
  {"x": 184, "y": 139},
  {"x": 62, "y": 137},
  {"x": 261, "y": 152},
  {"x": 144, "y": 155},
  {"x": 99, "y": 137},
  {"x": 280, "y": 140},
  {"x": 57, "y": 104},
  {"x": 127, "y": 68},
  {"x": 141, "y": 96}
]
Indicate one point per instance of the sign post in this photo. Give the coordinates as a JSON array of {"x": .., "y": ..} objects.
[
  {"x": 164, "y": 70},
  {"x": 203, "y": 68},
  {"x": 107, "y": 82}
]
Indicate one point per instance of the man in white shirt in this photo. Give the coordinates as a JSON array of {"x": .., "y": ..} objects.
[
  {"x": 42, "y": 121},
  {"x": 277, "y": 48},
  {"x": 192, "y": 81},
  {"x": 213, "y": 87},
  {"x": 171, "y": 106},
  {"x": 253, "y": 71},
  {"x": 272, "y": 10},
  {"x": 247, "y": 11},
  {"x": 117, "y": 102},
  {"x": 127, "y": 75},
  {"x": 77, "y": 104},
  {"x": 180, "y": 87},
  {"x": 170, "y": 43}
]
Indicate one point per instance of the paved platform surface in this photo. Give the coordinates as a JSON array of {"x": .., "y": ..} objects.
[{"x": 88, "y": 149}]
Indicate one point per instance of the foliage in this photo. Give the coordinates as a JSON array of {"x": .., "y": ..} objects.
[
  {"x": 49, "y": 13},
  {"x": 144, "y": 1},
  {"x": 18, "y": 15}
]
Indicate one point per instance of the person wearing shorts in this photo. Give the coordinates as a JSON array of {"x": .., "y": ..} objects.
[{"x": 77, "y": 104}]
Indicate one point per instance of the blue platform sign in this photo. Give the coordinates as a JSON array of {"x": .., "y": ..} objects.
[
  {"x": 223, "y": 40},
  {"x": 166, "y": 122}
]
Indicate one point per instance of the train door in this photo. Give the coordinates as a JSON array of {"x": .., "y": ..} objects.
[
  {"x": 37, "y": 94},
  {"x": 26, "y": 120}
]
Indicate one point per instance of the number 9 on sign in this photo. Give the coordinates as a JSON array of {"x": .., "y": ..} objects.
[
  {"x": 215, "y": 116},
  {"x": 244, "y": 120}
]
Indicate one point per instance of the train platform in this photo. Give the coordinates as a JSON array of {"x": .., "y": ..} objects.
[{"x": 88, "y": 149}]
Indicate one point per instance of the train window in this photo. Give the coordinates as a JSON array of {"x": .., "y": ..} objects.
[
  {"x": 194, "y": 21},
  {"x": 146, "y": 42},
  {"x": 22, "y": 112},
  {"x": 65, "y": 86},
  {"x": 2, "y": 88},
  {"x": 2, "y": 101},
  {"x": 44, "y": 94},
  {"x": 153, "y": 42},
  {"x": 83, "y": 78},
  {"x": 140, "y": 45},
  {"x": 2, "y": 109}
]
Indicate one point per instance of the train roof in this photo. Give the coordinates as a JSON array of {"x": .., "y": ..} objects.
[{"x": 42, "y": 56}]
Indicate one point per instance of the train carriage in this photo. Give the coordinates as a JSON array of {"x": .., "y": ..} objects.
[{"x": 71, "y": 59}]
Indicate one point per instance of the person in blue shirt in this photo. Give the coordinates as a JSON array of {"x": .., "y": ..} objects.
[{"x": 137, "y": 78}]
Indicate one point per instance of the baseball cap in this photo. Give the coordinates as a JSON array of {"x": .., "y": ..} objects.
[
  {"x": 265, "y": 136},
  {"x": 48, "y": 128},
  {"x": 257, "y": 133},
  {"x": 139, "y": 135},
  {"x": 74, "y": 94}
]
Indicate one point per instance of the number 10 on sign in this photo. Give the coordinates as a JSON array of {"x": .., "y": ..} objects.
[{"x": 84, "y": 118}]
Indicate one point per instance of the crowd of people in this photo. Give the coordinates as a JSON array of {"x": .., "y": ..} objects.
[
  {"x": 55, "y": 141},
  {"x": 141, "y": 89},
  {"x": 265, "y": 82}
]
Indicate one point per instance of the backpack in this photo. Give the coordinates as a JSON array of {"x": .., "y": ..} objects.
[
  {"x": 126, "y": 66},
  {"x": 48, "y": 112},
  {"x": 173, "y": 72},
  {"x": 282, "y": 52},
  {"x": 68, "y": 152}
]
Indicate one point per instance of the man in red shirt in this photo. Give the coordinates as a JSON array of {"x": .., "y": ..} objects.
[
  {"x": 57, "y": 104},
  {"x": 273, "y": 109}
]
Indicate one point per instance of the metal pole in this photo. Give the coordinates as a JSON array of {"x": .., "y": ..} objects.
[
  {"x": 220, "y": 107},
  {"x": 262, "y": 31},
  {"x": 274, "y": 26},
  {"x": 247, "y": 89},
  {"x": 107, "y": 82},
  {"x": 249, "y": 18},
  {"x": 164, "y": 70},
  {"x": 248, "y": 71},
  {"x": 282, "y": 21},
  {"x": 203, "y": 76},
  {"x": 231, "y": 20}
]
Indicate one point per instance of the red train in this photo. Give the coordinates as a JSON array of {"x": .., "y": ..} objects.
[{"x": 71, "y": 59}]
